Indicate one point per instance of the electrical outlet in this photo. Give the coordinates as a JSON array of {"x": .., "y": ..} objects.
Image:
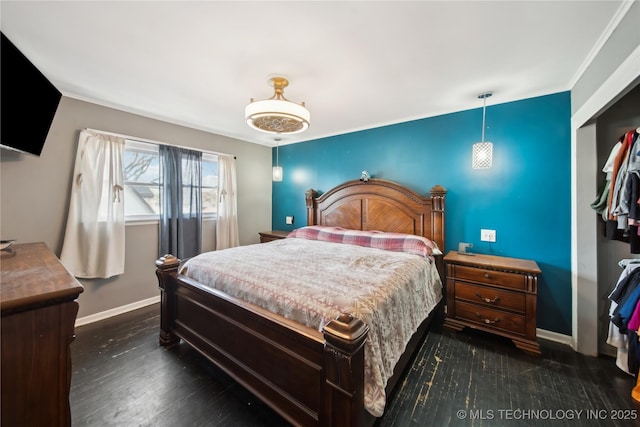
[
  {"x": 289, "y": 220},
  {"x": 487, "y": 235}
]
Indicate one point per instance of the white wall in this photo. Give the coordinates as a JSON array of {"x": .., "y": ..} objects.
[
  {"x": 34, "y": 195},
  {"x": 613, "y": 71}
]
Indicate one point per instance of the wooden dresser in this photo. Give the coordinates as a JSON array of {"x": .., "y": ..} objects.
[
  {"x": 38, "y": 306},
  {"x": 493, "y": 294},
  {"x": 267, "y": 236}
]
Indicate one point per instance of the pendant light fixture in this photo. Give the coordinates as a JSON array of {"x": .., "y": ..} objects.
[
  {"x": 277, "y": 114},
  {"x": 277, "y": 169},
  {"x": 482, "y": 157}
]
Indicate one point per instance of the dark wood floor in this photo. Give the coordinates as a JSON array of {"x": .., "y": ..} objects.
[{"x": 122, "y": 377}]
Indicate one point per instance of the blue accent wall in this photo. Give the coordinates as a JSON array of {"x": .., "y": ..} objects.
[{"x": 525, "y": 196}]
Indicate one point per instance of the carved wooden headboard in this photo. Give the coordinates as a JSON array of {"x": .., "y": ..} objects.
[{"x": 379, "y": 205}]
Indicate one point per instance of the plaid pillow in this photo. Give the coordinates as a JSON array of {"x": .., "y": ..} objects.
[{"x": 397, "y": 242}]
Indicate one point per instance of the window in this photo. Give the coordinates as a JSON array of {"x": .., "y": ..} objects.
[
  {"x": 209, "y": 185},
  {"x": 141, "y": 177},
  {"x": 141, "y": 186}
]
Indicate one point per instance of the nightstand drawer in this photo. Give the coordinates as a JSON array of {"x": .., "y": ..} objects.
[
  {"x": 495, "y": 319},
  {"x": 495, "y": 278},
  {"x": 491, "y": 297}
]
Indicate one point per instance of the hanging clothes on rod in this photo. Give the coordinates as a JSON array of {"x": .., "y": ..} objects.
[
  {"x": 618, "y": 204},
  {"x": 618, "y": 337}
]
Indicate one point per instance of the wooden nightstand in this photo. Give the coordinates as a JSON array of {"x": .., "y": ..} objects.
[
  {"x": 493, "y": 294},
  {"x": 267, "y": 236}
]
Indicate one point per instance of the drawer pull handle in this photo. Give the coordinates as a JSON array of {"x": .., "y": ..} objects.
[
  {"x": 487, "y": 276},
  {"x": 488, "y": 300},
  {"x": 487, "y": 321}
]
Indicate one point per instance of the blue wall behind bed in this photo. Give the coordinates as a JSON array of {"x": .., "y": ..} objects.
[{"x": 525, "y": 196}]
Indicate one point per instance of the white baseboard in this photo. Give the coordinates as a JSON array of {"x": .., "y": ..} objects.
[
  {"x": 116, "y": 311},
  {"x": 553, "y": 336}
]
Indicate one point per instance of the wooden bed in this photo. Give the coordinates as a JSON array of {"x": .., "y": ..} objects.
[{"x": 310, "y": 377}]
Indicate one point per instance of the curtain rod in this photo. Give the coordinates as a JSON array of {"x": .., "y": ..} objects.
[{"x": 151, "y": 141}]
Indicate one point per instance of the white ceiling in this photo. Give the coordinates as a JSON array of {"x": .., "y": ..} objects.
[{"x": 356, "y": 64}]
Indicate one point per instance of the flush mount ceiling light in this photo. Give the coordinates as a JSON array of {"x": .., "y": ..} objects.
[
  {"x": 277, "y": 114},
  {"x": 482, "y": 156}
]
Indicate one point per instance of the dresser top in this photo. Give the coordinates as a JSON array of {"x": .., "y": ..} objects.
[
  {"x": 275, "y": 233},
  {"x": 493, "y": 261},
  {"x": 30, "y": 275}
]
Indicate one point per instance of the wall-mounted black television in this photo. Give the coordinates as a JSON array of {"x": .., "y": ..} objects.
[{"x": 28, "y": 102}]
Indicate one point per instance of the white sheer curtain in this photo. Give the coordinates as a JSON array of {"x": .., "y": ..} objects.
[
  {"x": 227, "y": 222},
  {"x": 94, "y": 239}
]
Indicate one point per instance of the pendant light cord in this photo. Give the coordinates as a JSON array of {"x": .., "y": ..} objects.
[
  {"x": 484, "y": 97},
  {"x": 484, "y": 112}
]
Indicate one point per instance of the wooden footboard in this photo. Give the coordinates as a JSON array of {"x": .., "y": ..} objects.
[{"x": 308, "y": 377}]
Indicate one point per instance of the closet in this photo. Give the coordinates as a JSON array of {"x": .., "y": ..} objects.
[{"x": 621, "y": 117}]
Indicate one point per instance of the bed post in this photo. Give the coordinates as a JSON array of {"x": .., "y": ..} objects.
[
  {"x": 166, "y": 270},
  {"x": 437, "y": 214},
  {"x": 438, "y": 193},
  {"x": 344, "y": 370},
  {"x": 310, "y": 197}
]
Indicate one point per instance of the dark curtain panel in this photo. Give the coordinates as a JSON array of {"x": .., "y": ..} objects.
[{"x": 180, "y": 202}]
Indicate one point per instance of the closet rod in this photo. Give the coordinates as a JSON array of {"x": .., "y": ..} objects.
[
  {"x": 626, "y": 261},
  {"x": 151, "y": 141}
]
